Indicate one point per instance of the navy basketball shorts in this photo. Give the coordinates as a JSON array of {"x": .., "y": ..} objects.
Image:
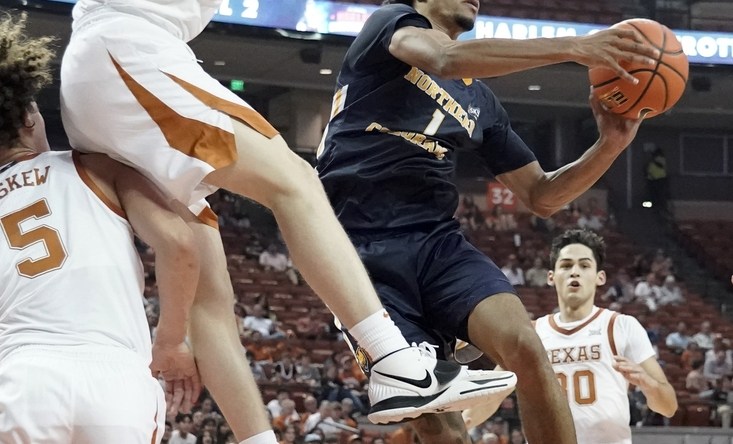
[{"x": 430, "y": 281}]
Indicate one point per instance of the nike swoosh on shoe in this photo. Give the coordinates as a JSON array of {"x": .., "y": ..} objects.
[{"x": 420, "y": 383}]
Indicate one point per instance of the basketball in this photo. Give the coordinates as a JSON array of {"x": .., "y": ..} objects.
[{"x": 660, "y": 85}]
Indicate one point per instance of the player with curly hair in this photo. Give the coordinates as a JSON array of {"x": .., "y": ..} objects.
[{"x": 75, "y": 346}]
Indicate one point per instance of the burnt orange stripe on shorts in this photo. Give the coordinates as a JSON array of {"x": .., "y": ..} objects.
[
  {"x": 153, "y": 440},
  {"x": 208, "y": 217},
  {"x": 191, "y": 137},
  {"x": 247, "y": 115}
]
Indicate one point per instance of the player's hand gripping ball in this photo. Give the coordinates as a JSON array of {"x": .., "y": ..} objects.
[{"x": 660, "y": 85}]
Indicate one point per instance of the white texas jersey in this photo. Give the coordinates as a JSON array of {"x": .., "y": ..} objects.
[
  {"x": 581, "y": 354},
  {"x": 70, "y": 274},
  {"x": 185, "y": 19}
]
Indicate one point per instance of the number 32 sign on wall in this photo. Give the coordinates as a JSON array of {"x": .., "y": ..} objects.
[{"x": 497, "y": 195}]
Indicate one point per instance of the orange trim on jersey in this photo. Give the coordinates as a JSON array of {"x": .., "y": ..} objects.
[
  {"x": 191, "y": 137},
  {"x": 611, "y": 341},
  {"x": 153, "y": 440},
  {"x": 87, "y": 179},
  {"x": 242, "y": 113},
  {"x": 559, "y": 329},
  {"x": 208, "y": 217}
]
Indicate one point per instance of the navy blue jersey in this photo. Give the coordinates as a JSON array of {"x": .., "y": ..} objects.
[{"x": 388, "y": 154}]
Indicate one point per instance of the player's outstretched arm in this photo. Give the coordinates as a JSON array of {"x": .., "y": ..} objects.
[
  {"x": 434, "y": 52},
  {"x": 176, "y": 269},
  {"x": 650, "y": 378},
  {"x": 545, "y": 193}
]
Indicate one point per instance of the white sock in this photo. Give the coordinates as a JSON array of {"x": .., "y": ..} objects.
[
  {"x": 267, "y": 437},
  {"x": 378, "y": 335}
]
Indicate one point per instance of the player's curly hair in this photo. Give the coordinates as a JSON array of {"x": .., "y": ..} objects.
[
  {"x": 583, "y": 237},
  {"x": 402, "y": 2},
  {"x": 24, "y": 71}
]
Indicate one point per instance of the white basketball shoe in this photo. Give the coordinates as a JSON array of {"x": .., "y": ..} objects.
[{"x": 411, "y": 382}]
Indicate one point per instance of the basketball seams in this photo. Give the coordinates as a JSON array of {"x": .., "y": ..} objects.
[
  {"x": 650, "y": 96},
  {"x": 674, "y": 70},
  {"x": 646, "y": 37},
  {"x": 654, "y": 72}
]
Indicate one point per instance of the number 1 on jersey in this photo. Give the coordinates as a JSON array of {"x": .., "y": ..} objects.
[{"x": 434, "y": 124}]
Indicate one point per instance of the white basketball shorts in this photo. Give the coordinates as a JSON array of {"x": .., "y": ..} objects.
[
  {"x": 79, "y": 395},
  {"x": 133, "y": 91}
]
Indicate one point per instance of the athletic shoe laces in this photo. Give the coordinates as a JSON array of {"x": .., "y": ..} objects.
[{"x": 427, "y": 349}]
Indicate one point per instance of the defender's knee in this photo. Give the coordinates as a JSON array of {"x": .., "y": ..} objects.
[{"x": 522, "y": 350}]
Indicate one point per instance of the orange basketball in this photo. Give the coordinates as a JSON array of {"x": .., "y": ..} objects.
[{"x": 660, "y": 86}]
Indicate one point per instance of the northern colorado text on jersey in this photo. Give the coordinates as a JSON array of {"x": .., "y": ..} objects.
[{"x": 430, "y": 87}]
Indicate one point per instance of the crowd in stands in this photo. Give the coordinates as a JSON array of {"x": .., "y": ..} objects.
[{"x": 314, "y": 389}]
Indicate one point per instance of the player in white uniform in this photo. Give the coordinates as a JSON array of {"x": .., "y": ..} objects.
[
  {"x": 74, "y": 341},
  {"x": 596, "y": 353},
  {"x": 132, "y": 88}
]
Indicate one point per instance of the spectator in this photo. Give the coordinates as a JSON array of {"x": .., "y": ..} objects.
[
  {"x": 692, "y": 353},
  {"x": 222, "y": 431},
  {"x": 209, "y": 425},
  {"x": 670, "y": 293},
  {"x": 621, "y": 289},
  {"x": 500, "y": 221},
  {"x": 348, "y": 411},
  {"x": 647, "y": 292},
  {"x": 719, "y": 343},
  {"x": 285, "y": 370},
  {"x": 722, "y": 397},
  {"x": 717, "y": 368},
  {"x": 265, "y": 326},
  {"x": 197, "y": 422},
  {"x": 273, "y": 259},
  {"x": 513, "y": 272},
  {"x": 537, "y": 275},
  {"x": 469, "y": 214},
  {"x": 310, "y": 404},
  {"x": 695, "y": 382},
  {"x": 182, "y": 434},
  {"x": 307, "y": 372},
  {"x": 705, "y": 336},
  {"x": 324, "y": 420},
  {"x": 654, "y": 331},
  {"x": 289, "y": 435},
  {"x": 288, "y": 417},
  {"x": 257, "y": 370},
  {"x": 205, "y": 437},
  {"x": 208, "y": 407},
  {"x": 275, "y": 405},
  {"x": 517, "y": 437},
  {"x": 678, "y": 339},
  {"x": 229, "y": 438},
  {"x": 167, "y": 433},
  {"x": 338, "y": 415},
  {"x": 311, "y": 326},
  {"x": 589, "y": 222}
]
